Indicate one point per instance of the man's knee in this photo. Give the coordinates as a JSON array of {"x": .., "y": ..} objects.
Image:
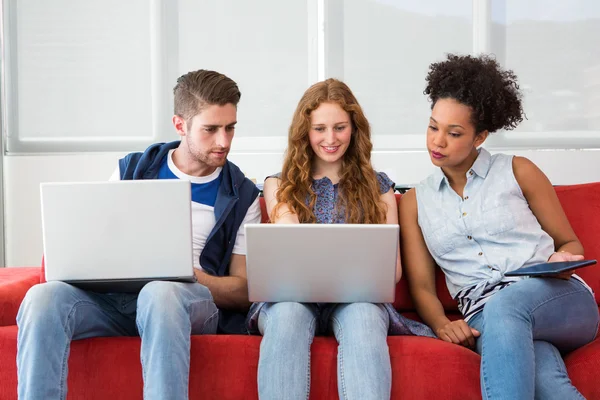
[
  {"x": 42, "y": 300},
  {"x": 168, "y": 294}
]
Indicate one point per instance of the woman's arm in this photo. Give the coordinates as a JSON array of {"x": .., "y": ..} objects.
[
  {"x": 546, "y": 207},
  {"x": 420, "y": 270},
  {"x": 284, "y": 215},
  {"x": 391, "y": 217}
]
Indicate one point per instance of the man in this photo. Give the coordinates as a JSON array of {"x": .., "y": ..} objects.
[{"x": 163, "y": 314}]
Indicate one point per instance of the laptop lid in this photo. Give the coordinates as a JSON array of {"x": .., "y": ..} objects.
[
  {"x": 117, "y": 231},
  {"x": 329, "y": 263}
]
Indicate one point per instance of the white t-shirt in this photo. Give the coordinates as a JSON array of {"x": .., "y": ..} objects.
[{"x": 204, "y": 194}]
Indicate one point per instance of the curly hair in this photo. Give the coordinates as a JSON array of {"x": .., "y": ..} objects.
[
  {"x": 480, "y": 83},
  {"x": 358, "y": 185}
]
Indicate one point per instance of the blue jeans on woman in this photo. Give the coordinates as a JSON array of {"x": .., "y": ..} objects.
[
  {"x": 164, "y": 314},
  {"x": 524, "y": 329},
  {"x": 364, "y": 370}
]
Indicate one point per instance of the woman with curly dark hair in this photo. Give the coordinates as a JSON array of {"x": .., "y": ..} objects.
[
  {"x": 480, "y": 216},
  {"x": 327, "y": 177}
]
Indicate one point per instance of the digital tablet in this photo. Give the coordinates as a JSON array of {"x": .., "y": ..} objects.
[{"x": 550, "y": 268}]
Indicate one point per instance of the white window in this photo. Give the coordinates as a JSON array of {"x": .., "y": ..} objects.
[
  {"x": 79, "y": 75},
  {"x": 97, "y": 75},
  {"x": 382, "y": 49},
  {"x": 552, "y": 48}
]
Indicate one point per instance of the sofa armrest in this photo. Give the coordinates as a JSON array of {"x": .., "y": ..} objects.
[{"x": 14, "y": 283}]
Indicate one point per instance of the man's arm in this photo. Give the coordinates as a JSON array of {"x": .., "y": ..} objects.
[{"x": 229, "y": 292}]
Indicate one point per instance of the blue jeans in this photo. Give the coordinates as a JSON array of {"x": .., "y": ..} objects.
[
  {"x": 524, "y": 329},
  {"x": 364, "y": 370},
  {"x": 164, "y": 314}
]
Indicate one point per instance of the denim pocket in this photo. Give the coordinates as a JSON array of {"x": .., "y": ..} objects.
[{"x": 498, "y": 220}]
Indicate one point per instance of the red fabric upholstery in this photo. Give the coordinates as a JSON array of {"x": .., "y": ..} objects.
[
  {"x": 422, "y": 368},
  {"x": 14, "y": 283},
  {"x": 583, "y": 366},
  {"x": 109, "y": 368},
  {"x": 263, "y": 209},
  {"x": 43, "y": 272},
  {"x": 8, "y": 365},
  {"x": 582, "y": 207}
]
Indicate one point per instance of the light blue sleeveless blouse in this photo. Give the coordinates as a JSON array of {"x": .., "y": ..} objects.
[{"x": 488, "y": 232}]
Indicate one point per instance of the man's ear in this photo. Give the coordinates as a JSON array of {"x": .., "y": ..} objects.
[
  {"x": 180, "y": 125},
  {"x": 480, "y": 137}
]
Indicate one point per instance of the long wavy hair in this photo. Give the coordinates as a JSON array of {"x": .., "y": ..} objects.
[{"x": 359, "y": 194}]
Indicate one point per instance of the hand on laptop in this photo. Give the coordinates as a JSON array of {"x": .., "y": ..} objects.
[{"x": 287, "y": 219}]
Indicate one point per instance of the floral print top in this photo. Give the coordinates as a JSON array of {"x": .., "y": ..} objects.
[{"x": 325, "y": 208}]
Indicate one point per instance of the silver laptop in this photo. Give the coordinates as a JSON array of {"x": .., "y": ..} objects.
[
  {"x": 117, "y": 236},
  {"x": 321, "y": 263}
]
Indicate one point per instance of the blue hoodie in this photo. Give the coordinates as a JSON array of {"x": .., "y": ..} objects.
[{"x": 236, "y": 194}]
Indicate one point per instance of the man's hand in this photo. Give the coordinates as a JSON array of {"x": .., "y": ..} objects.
[
  {"x": 201, "y": 276},
  {"x": 458, "y": 332},
  {"x": 230, "y": 291}
]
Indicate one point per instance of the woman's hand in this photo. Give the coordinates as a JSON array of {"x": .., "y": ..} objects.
[
  {"x": 287, "y": 218},
  {"x": 458, "y": 332},
  {"x": 563, "y": 256}
]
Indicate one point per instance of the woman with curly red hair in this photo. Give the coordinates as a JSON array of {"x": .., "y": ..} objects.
[{"x": 327, "y": 177}]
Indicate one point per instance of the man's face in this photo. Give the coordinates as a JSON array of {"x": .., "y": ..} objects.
[{"x": 208, "y": 135}]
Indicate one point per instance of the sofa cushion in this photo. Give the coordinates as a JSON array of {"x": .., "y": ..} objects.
[
  {"x": 583, "y": 366},
  {"x": 8, "y": 364},
  {"x": 224, "y": 367}
]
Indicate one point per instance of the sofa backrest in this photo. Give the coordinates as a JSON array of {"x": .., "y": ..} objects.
[
  {"x": 581, "y": 204},
  {"x": 582, "y": 207},
  {"x": 263, "y": 209}
]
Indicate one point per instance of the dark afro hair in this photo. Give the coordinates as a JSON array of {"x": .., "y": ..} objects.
[{"x": 480, "y": 83}]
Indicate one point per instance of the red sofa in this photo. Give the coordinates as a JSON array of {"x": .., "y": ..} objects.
[{"x": 224, "y": 367}]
